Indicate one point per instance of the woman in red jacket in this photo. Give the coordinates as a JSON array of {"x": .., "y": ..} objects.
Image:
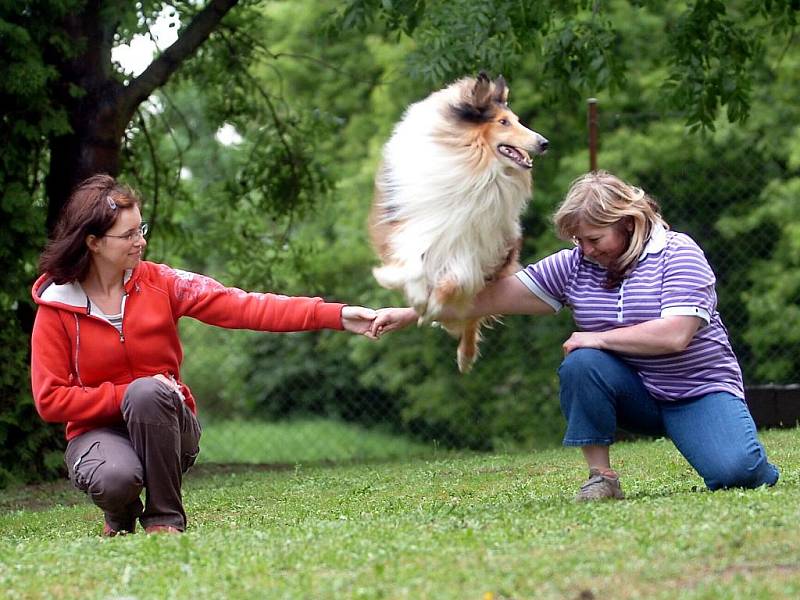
[{"x": 106, "y": 355}]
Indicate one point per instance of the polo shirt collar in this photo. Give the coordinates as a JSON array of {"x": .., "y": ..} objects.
[{"x": 657, "y": 241}]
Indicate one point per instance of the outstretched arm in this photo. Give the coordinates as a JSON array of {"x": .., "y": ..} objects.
[{"x": 506, "y": 296}]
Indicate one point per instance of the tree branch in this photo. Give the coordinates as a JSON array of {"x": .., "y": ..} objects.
[{"x": 162, "y": 68}]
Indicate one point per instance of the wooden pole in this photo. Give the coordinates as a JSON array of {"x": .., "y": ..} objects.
[{"x": 592, "y": 118}]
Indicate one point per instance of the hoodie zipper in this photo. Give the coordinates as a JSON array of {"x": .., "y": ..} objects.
[
  {"x": 120, "y": 333},
  {"x": 122, "y": 319},
  {"x": 78, "y": 349},
  {"x": 93, "y": 316}
]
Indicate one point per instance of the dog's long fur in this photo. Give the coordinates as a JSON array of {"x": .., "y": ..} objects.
[{"x": 454, "y": 180}]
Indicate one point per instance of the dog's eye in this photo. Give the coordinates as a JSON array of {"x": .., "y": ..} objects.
[{"x": 504, "y": 122}]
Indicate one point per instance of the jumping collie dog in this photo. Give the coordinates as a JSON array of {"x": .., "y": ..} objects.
[{"x": 454, "y": 180}]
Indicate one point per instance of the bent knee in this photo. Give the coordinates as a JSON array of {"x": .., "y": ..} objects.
[
  {"x": 743, "y": 471},
  {"x": 144, "y": 387},
  {"x": 112, "y": 485},
  {"x": 580, "y": 362},
  {"x": 148, "y": 396}
]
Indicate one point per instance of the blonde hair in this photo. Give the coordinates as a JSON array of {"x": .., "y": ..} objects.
[{"x": 600, "y": 199}]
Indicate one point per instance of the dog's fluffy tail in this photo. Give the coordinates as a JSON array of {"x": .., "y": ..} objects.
[{"x": 392, "y": 277}]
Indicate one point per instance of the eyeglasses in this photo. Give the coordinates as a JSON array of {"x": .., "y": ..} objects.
[{"x": 132, "y": 236}]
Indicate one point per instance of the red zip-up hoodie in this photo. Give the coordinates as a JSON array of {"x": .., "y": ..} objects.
[{"x": 81, "y": 364}]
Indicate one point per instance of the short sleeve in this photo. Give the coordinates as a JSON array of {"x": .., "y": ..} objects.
[
  {"x": 688, "y": 285},
  {"x": 548, "y": 278}
]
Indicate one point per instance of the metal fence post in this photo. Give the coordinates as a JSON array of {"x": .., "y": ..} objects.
[{"x": 592, "y": 119}]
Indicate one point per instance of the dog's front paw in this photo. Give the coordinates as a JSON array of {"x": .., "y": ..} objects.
[
  {"x": 418, "y": 296},
  {"x": 433, "y": 310},
  {"x": 425, "y": 316}
]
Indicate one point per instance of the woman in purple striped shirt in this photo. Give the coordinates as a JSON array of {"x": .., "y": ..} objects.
[{"x": 650, "y": 353}]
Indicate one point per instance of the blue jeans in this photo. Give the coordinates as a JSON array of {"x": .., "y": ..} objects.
[{"x": 715, "y": 432}]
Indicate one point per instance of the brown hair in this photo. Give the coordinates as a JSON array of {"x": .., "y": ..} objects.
[
  {"x": 600, "y": 199},
  {"x": 92, "y": 209}
]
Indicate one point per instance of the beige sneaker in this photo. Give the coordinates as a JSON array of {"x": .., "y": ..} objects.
[{"x": 601, "y": 484}]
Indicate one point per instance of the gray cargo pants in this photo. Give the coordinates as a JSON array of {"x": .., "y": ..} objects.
[{"x": 153, "y": 449}]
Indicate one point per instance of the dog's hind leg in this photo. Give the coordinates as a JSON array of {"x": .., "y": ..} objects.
[{"x": 468, "y": 345}]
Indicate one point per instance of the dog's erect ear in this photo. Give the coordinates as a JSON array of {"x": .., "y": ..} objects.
[
  {"x": 500, "y": 90},
  {"x": 482, "y": 92}
]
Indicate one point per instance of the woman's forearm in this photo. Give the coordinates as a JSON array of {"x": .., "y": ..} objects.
[{"x": 652, "y": 338}]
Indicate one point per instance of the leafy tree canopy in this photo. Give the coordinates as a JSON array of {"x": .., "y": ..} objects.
[{"x": 711, "y": 49}]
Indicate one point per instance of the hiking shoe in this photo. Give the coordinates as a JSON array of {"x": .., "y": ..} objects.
[
  {"x": 601, "y": 484},
  {"x": 162, "y": 529},
  {"x": 109, "y": 532}
]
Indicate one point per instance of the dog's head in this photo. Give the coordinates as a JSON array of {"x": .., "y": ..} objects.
[{"x": 483, "y": 103}]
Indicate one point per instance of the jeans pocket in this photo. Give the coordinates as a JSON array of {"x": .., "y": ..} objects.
[
  {"x": 85, "y": 467},
  {"x": 190, "y": 439}
]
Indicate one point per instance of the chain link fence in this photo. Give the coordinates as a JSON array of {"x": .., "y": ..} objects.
[{"x": 319, "y": 397}]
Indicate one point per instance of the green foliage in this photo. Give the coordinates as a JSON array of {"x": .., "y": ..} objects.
[
  {"x": 711, "y": 63},
  {"x": 312, "y": 375},
  {"x": 29, "y": 450},
  {"x": 449, "y": 527},
  {"x": 711, "y": 47},
  {"x": 28, "y": 117},
  {"x": 774, "y": 280}
]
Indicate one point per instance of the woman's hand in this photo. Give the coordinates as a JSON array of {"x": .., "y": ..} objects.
[
  {"x": 358, "y": 319},
  {"x": 583, "y": 339},
  {"x": 170, "y": 383},
  {"x": 390, "y": 319}
]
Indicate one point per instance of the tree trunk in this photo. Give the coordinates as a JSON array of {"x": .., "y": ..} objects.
[
  {"x": 93, "y": 147},
  {"x": 98, "y": 105}
]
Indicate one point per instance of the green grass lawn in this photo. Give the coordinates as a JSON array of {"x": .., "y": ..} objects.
[{"x": 457, "y": 526}]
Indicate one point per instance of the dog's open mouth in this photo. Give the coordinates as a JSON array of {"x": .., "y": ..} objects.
[{"x": 516, "y": 155}]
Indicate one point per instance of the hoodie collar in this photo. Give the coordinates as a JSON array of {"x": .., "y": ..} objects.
[{"x": 68, "y": 295}]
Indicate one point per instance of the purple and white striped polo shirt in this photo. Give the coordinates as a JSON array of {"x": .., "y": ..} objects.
[{"x": 672, "y": 277}]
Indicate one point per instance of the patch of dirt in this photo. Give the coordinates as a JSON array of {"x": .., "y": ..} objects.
[{"x": 41, "y": 496}]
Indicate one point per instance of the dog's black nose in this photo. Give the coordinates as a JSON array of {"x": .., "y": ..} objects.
[{"x": 544, "y": 144}]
